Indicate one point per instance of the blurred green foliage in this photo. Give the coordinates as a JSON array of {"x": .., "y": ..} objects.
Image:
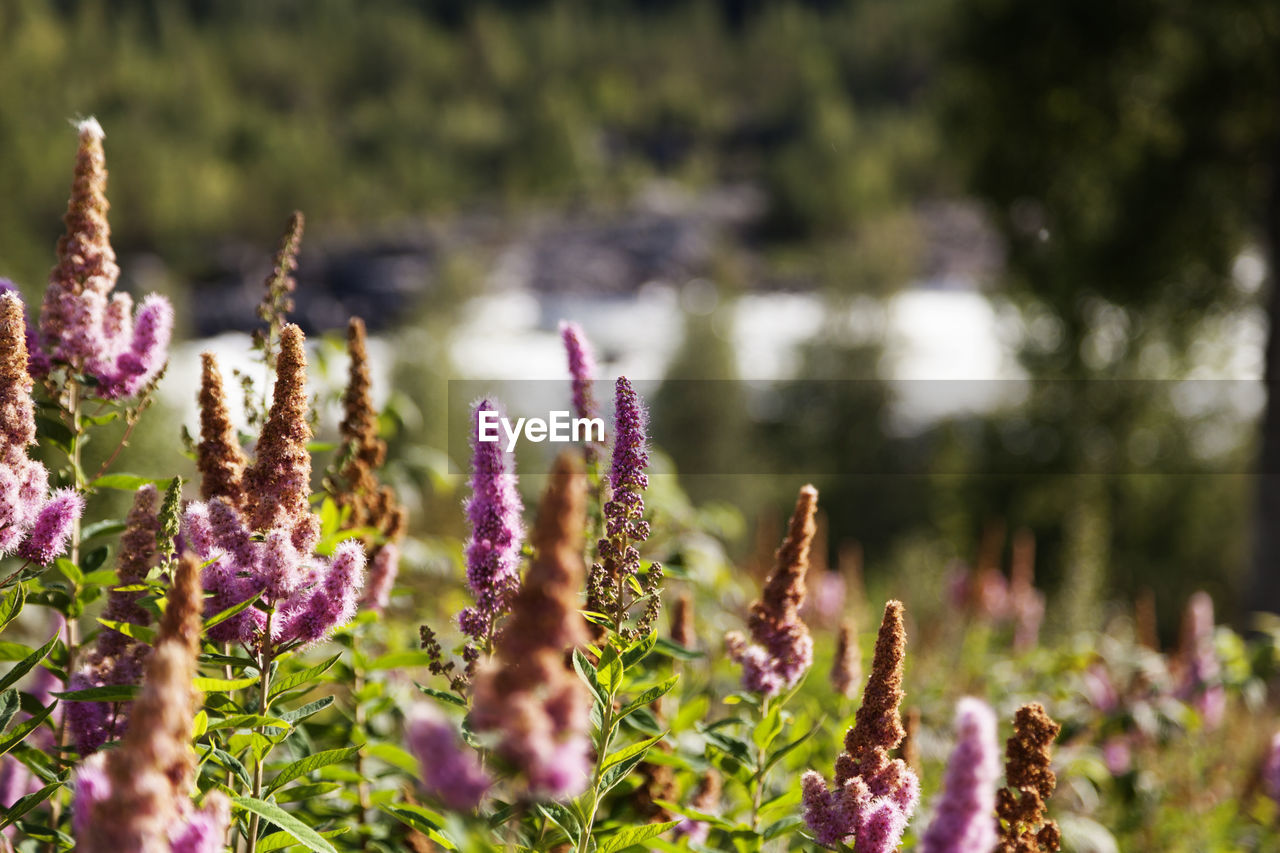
[{"x": 222, "y": 117}]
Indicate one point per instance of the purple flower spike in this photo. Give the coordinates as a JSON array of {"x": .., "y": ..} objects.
[
  {"x": 450, "y": 772},
  {"x": 582, "y": 368},
  {"x": 630, "y": 453},
  {"x": 964, "y": 821},
  {"x": 147, "y": 352},
  {"x": 52, "y": 528},
  {"x": 382, "y": 577},
  {"x": 493, "y": 551}
]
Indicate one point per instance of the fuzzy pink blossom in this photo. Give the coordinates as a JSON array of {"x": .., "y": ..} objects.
[
  {"x": 451, "y": 771},
  {"x": 582, "y": 368},
  {"x": 497, "y": 533},
  {"x": 84, "y": 323},
  {"x": 53, "y": 525},
  {"x": 964, "y": 821},
  {"x": 382, "y": 577}
]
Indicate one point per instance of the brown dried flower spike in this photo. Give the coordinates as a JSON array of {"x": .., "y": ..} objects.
[
  {"x": 1024, "y": 828},
  {"x": 877, "y": 726},
  {"x": 219, "y": 457},
  {"x": 356, "y": 485}
]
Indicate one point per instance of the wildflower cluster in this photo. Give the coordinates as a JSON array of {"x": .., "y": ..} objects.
[{"x": 610, "y": 589}]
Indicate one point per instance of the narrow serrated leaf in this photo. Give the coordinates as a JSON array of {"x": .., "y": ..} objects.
[{"x": 302, "y": 833}]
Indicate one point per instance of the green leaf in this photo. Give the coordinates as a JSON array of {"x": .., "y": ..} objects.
[
  {"x": 786, "y": 748},
  {"x": 12, "y": 604},
  {"x": 610, "y": 671},
  {"x": 69, "y": 570},
  {"x": 632, "y": 835},
  {"x": 126, "y": 482},
  {"x": 442, "y": 695},
  {"x": 780, "y": 827},
  {"x": 28, "y": 726},
  {"x": 639, "y": 649},
  {"x": 281, "y": 840},
  {"x": 396, "y": 756},
  {"x": 303, "y": 766},
  {"x": 563, "y": 817},
  {"x": 618, "y": 772},
  {"x": 9, "y": 705},
  {"x": 768, "y": 728},
  {"x": 673, "y": 650},
  {"x": 306, "y": 710},
  {"x": 29, "y": 802},
  {"x": 233, "y": 764},
  {"x": 223, "y": 685},
  {"x": 302, "y": 833},
  {"x": 588, "y": 674},
  {"x": 27, "y": 664},
  {"x": 13, "y": 651},
  {"x": 106, "y": 693},
  {"x": 629, "y": 751},
  {"x": 649, "y": 696},
  {"x": 94, "y": 559},
  {"x": 109, "y": 527},
  {"x": 307, "y": 676},
  {"x": 248, "y": 721},
  {"x": 422, "y": 819},
  {"x": 223, "y": 616},
  {"x": 298, "y": 793},
  {"x": 140, "y": 633},
  {"x": 399, "y": 660}
]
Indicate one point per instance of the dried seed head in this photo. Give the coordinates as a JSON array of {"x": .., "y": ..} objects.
[
  {"x": 877, "y": 727},
  {"x": 1024, "y": 826},
  {"x": 17, "y": 412},
  {"x": 683, "y": 632},
  {"x": 781, "y": 649},
  {"x": 278, "y": 485},
  {"x": 527, "y": 695},
  {"x": 151, "y": 774},
  {"x": 846, "y": 668},
  {"x": 219, "y": 457}
]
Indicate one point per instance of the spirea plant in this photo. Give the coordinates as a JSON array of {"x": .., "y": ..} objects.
[{"x": 223, "y": 669}]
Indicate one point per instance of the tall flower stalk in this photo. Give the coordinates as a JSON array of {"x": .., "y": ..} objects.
[
  {"x": 964, "y": 820},
  {"x": 874, "y": 796},
  {"x": 138, "y": 797},
  {"x": 610, "y": 591},
  {"x": 1029, "y": 783},
  {"x": 497, "y": 533},
  {"x": 527, "y": 701},
  {"x": 780, "y": 650}
]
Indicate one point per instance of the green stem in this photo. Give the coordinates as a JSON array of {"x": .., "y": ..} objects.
[
  {"x": 757, "y": 795},
  {"x": 264, "y": 705},
  {"x": 606, "y": 734}
]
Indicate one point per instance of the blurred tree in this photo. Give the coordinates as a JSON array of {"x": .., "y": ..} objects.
[{"x": 1129, "y": 152}]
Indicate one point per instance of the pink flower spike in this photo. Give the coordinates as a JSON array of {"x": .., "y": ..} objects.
[{"x": 53, "y": 526}]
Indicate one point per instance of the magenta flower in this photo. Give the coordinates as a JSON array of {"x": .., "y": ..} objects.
[
  {"x": 52, "y": 528},
  {"x": 451, "y": 772},
  {"x": 311, "y": 595},
  {"x": 582, "y": 368},
  {"x": 32, "y": 521},
  {"x": 84, "y": 323},
  {"x": 624, "y": 514},
  {"x": 876, "y": 816},
  {"x": 964, "y": 821},
  {"x": 493, "y": 551},
  {"x": 382, "y": 577}
]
